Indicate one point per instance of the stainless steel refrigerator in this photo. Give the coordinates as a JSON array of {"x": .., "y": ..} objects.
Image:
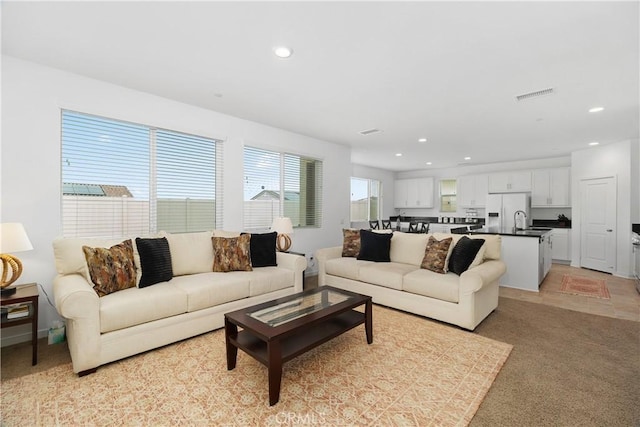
[{"x": 500, "y": 210}]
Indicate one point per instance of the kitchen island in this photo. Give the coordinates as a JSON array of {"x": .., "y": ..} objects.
[{"x": 527, "y": 254}]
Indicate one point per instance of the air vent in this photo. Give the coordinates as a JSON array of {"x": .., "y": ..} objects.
[
  {"x": 535, "y": 94},
  {"x": 369, "y": 132}
]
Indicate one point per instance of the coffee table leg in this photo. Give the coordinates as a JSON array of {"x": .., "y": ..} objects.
[
  {"x": 368, "y": 322},
  {"x": 275, "y": 371},
  {"x": 230, "y": 330}
]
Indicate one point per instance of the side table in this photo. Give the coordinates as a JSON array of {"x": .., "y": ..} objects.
[{"x": 28, "y": 295}]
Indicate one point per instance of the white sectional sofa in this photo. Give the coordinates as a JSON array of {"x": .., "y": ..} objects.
[
  {"x": 463, "y": 300},
  {"x": 130, "y": 321}
]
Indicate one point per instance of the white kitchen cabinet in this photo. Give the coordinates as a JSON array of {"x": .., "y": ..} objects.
[
  {"x": 510, "y": 182},
  {"x": 561, "y": 244},
  {"x": 414, "y": 193},
  {"x": 550, "y": 188},
  {"x": 472, "y": 191}
]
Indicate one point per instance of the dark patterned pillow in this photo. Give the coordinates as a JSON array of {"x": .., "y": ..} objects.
[
  {"x": 263, "y": 249},
  {"x": 232, "y": 253},
  {"x": 155, "y": 261},
  {"x": 350, "y": 243},
  {"x": 436, "y": 254},
  {"x": 375, "y": 246},
  {"x": 112, "y": 269},
  {"x": 463, "y": 254}
]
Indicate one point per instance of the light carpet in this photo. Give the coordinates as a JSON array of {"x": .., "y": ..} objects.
[
  {"x": 416, "y": 372},
  {"x": 585, "y": 286}
]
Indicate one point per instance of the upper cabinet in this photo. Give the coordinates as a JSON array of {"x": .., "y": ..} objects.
[
  {"x": 510, "y": 182},
  {"x": 472, "y": 191},
  {"x": 414, "y": 193},
  {"x": 551, "y": 188}
]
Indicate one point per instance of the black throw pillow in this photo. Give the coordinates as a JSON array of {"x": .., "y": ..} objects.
[
  {"x": 374, "y": 246},
  {"x": 463, "y": 254},
  {"x": 155, "y": 261},
  {"x": 263, "y": 249}
]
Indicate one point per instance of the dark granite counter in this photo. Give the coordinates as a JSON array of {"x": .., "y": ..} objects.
[{"x": 510, "y": 232}]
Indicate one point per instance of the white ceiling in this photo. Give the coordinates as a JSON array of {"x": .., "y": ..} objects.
[{"x": 448, "y": 72}]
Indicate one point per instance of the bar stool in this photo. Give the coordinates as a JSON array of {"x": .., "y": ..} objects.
[{"x": 374, "y": 225}]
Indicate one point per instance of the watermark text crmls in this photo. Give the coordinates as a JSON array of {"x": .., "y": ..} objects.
[{"x": 295, "y": 419}]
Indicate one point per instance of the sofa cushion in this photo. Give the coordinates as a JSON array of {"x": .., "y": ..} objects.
[
  {"x": 374, "y": 246},
  {"x": 345, "y": 267},
  {"x": 464, "y": 253},
  {"x": 435, "y": 255},
  {"x": 445, "y": 287},
  {"x": 231, "y": 253},
  {"x": 492, "y": 245},
  {"x": 350, "y": 242},
  {"x": 263, "y": 249},
  {"x": 190, "y": 252},
  {"x": 224, "y": 233},
  {"x": 155, "y": 261},
  {"x": 210, "y": 289},
  {"x": 135, "y": 306},
  {"x": 408, "y": 248},
  {"x": 388, "y": 274},
  {"x": 263, "y": 280},
  {"x": 112, "y": 269}
]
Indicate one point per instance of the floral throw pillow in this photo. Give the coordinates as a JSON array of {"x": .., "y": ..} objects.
[
  {"x": 435, "y": 255},
  {"x": 350, "y": 243},
  {"x": 112, "y": 269},
  {"x": 232, "y": 253}
]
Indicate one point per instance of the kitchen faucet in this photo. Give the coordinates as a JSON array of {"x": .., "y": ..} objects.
[{"x": 515, "y": 224}]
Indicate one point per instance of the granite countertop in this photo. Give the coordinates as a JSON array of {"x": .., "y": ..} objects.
[{"x": 510, "y": 232}]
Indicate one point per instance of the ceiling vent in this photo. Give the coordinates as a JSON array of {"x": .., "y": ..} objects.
[
  {"x": 369, "y": 131},
  {"x": 535, "y": 94}
]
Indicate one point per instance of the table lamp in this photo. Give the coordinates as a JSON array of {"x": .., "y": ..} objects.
[
  {"x": 13, "y": 238},
  {"x": 284, "y": 227}
]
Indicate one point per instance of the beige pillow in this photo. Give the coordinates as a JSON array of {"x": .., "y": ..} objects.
[
  {"x": 231, "y": 253},
  {"x": 492, "y": 245},
  {"x": 191, "y": 253},
  {"x": 408, "y": 248}
]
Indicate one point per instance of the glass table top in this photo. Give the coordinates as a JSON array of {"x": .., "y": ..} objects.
[{"x": 299, "y": 307}]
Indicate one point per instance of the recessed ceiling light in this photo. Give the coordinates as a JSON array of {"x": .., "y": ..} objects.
[
  {"x": 422, "y": 140},
  {"x": 467, "y": 158},
  {"x": 594, "y": 143},
  {"x": 283, "y": 51},
  {"x": 596, "y": 109},
  {"x": 398, "y": 154},
  {"x": 428, "y": 163}
]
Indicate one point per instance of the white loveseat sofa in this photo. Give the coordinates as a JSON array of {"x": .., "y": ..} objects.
[
  {"x": 130, "y": 321},
  {"x": 463, "y": 300}
]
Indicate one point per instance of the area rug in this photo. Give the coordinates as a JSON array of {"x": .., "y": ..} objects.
[
  {"x": 417, "y": 372},
  {"x": 585, "y": 286}
]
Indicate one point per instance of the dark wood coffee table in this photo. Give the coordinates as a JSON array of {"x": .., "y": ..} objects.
[{"x": 276, "y": 331}]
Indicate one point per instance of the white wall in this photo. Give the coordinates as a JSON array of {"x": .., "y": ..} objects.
[
  {"x": 32, "y": 97},
  {"x": 598, "y": 162}
]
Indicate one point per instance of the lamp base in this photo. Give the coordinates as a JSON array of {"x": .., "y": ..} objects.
[
  {"x": 283, "y": 242},
  {"x": 8, "y": 291}
]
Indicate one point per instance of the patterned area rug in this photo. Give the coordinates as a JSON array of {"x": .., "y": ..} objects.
[
  {"x": 585, "y": 286},
  {"x": 417, "y": 372}
]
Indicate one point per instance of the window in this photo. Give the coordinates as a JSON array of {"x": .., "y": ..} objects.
[
  {"x": 365, "y": 199},
  {"x": 448, "y": 190},
  {"x": 281, "y": 184},
  {"x": 122, "y": 179}
]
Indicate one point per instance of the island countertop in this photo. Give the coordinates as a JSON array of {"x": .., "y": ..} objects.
[{"x": 509, "y": 232}]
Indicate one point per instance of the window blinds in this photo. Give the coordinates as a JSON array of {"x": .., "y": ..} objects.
[
  {"x": 281, "y": 184},
  {"x": 124, "y": 179}
]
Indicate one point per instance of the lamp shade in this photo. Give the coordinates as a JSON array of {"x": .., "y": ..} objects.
[
  {"x": 13, "y": 238},
  {"x": 282, "y": 225}
]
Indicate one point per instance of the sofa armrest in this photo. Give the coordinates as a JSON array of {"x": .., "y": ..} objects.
[
  {"x": 322, "y": 256},
  {"x": 475, "y": 278},
  {"x": 79, "y": 304},
  {"x": 293, "y": 262}
]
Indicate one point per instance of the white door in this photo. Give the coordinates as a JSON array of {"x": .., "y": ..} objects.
[{"x": 598, "y": 220}]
